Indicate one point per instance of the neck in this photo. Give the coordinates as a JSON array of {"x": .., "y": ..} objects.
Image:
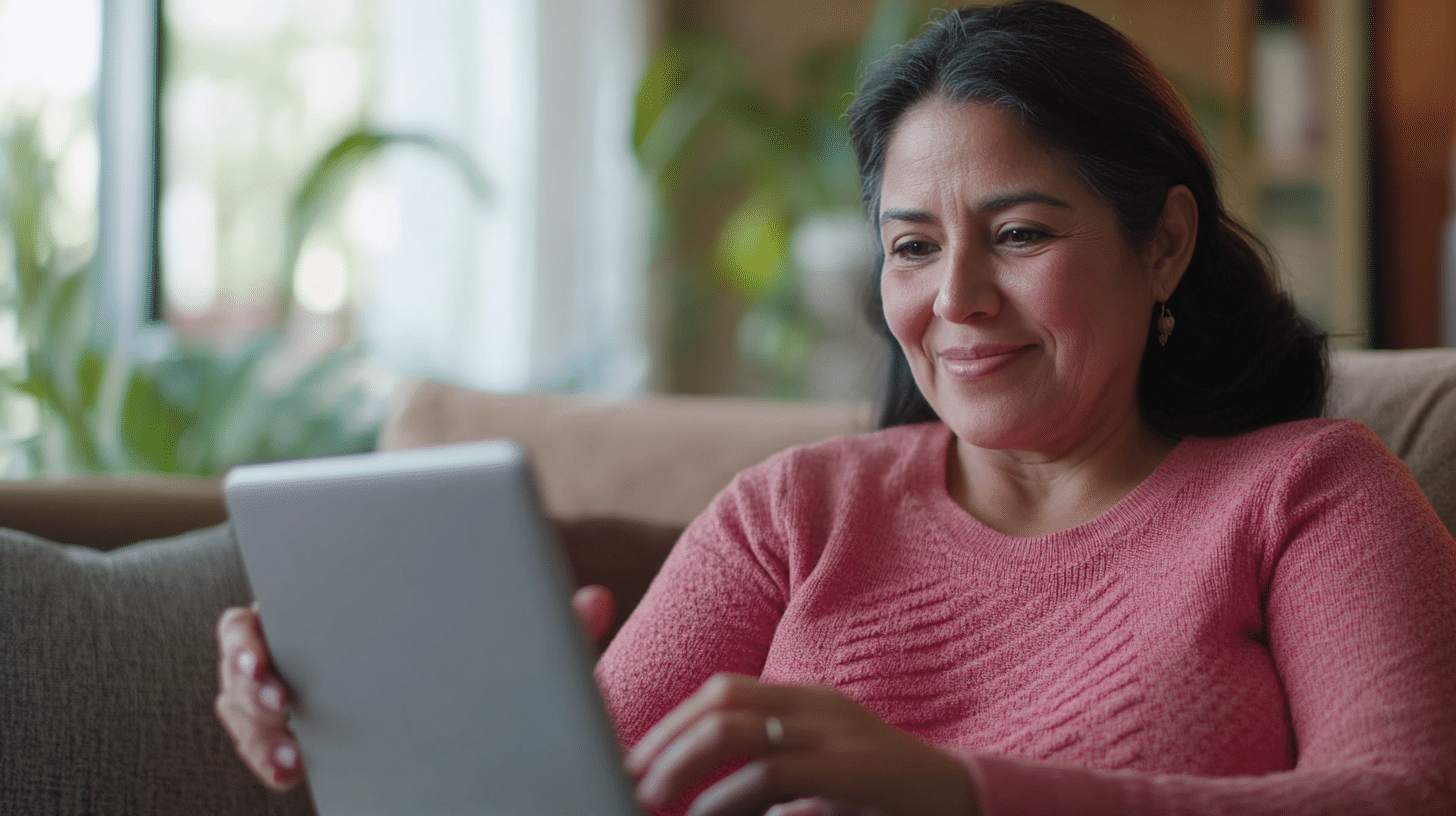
[{"x": 1028, "y": 493}]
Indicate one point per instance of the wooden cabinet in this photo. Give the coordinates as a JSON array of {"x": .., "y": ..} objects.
[
  {"x": 1414, "y": 69},
  {"x": 1280, "y": 90},
  {"x": 1357, "y": 219}
]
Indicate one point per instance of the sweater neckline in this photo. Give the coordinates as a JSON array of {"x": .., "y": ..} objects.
[{"x": 1126, "y": 519}]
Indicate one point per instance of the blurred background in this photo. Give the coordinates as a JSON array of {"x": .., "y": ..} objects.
[{"x": 231, "y": 230}]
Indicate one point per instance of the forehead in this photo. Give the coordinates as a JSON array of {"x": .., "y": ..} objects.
[{"x": 976, "y": 149}]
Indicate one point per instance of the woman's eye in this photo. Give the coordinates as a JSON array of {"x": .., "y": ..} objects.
[
  {"x": 1021, "y": 235},
  {"x": 914, "y": 249}
]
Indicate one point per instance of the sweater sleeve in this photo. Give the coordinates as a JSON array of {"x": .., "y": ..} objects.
[
  {"x": 1359, "y": 581},
  {"x": 712, "y": 608}
]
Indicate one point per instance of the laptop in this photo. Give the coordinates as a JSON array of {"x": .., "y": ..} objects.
[{"x": 417, "y": 604}]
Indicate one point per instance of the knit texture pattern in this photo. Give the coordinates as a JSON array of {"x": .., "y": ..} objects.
[{"x": 1264, "y": 625}]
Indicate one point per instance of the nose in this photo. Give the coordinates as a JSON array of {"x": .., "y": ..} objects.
[{"x": 967, "y": 292}]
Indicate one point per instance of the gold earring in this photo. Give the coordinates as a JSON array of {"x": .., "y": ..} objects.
[{"x": 1165, "y": 324}]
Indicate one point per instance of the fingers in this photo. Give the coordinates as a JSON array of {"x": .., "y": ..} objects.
[
  {"x": 698, "y": 750},
  {"x": 735, "y": 793},
  {"x": 596, "y": 609},
  {"x": 729, "y": 717},
  {"x": 799, "y": 741},
  {"x": 813, "y": 806},
  {"x": 720, "y": 693},
  {"x": 245, "y": 670},
  {"x": 252, "y": 701},
  {"x": 754, "y": 787},
  {"x": 781, "y": 778},
  {"x": 243, "y": 652}
]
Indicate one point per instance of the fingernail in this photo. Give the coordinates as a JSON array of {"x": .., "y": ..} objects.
[
  {"x": 271, "y": 697},
  {"x": 247, "y": 662},
  {"x": 286, "y": 757},
  {"x": 649, "y": 793},
  {"x": 637, "y": 756}
]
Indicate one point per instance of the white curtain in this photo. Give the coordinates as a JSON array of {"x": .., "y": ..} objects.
[{"x": 542, "y": 285}]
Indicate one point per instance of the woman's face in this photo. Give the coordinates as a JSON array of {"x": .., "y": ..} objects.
[{"x": 1021, "y": 306}]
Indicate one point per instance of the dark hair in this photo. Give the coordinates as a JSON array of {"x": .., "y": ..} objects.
[{"x": 1242, "y": 357}]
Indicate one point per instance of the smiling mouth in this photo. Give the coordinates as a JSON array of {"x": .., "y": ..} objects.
[{"x": 976, "y": 362}]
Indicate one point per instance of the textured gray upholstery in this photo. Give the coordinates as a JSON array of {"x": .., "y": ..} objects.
[
  {"x": 1409, "y": 399},
  {"x": 107, "y": 675}
]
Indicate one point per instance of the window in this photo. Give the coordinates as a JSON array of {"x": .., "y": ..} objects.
[
  {"x": 49, "y": 57},
  {"x": 167, "y": 138},
  {"x": 535, "y": 285}
]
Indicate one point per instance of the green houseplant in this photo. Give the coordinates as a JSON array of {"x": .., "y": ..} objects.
[
  {"x": 737, "y": 171},
  {"x": 74, "y": 406}
]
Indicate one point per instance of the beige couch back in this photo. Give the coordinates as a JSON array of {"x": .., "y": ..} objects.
[
  {"x": 655, "y": 459},
  {"x": 661, "y": 459}
]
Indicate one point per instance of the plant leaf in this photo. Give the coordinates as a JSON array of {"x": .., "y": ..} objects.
[
  {"x": 752, "y": 248},
  {"x": 327, "y": 176},
  {"x": 151, "y": 425}
]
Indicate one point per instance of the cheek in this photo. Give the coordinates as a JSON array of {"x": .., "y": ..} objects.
[
  {"x": 906, "y": 309},
  {"x": 1087, "y": 309}
]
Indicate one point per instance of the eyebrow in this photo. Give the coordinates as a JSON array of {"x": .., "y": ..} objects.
[{"x": 988, "y": 205}]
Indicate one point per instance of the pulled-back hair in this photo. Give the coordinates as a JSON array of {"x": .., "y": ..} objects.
[{"x": 1242, "y": 356}]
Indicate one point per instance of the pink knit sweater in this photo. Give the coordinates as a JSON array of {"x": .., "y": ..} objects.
[{"x": 1265, "y": 625}]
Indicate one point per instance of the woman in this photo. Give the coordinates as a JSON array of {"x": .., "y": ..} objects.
[{"x": 1100, "y": 560}]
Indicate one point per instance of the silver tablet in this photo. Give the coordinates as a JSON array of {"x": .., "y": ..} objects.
[{"x": 417, "y": 604}]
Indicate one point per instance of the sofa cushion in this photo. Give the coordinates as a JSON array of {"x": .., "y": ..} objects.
[
  {"x": 107, "y": 679},
  {"x": 1408, "y": 398}
]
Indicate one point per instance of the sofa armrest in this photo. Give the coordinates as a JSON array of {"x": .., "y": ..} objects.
[{"x": 105, "y": 512}]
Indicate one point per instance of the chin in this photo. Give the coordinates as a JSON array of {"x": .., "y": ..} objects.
[{"x": 993, "y": 426}]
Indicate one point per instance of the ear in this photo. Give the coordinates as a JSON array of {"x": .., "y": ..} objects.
[{"x": 1172, "y": 245}]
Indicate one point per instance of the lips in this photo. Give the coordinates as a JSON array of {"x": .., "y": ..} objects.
[{"x": 975, "y": 362}]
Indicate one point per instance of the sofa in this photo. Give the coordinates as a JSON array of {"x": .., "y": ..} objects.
[{"x": 108, "y": 673}]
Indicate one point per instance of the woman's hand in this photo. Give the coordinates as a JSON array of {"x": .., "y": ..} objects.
[
  {"x": 252, "y": 700},
  {"x": 808, "y": 746}
]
